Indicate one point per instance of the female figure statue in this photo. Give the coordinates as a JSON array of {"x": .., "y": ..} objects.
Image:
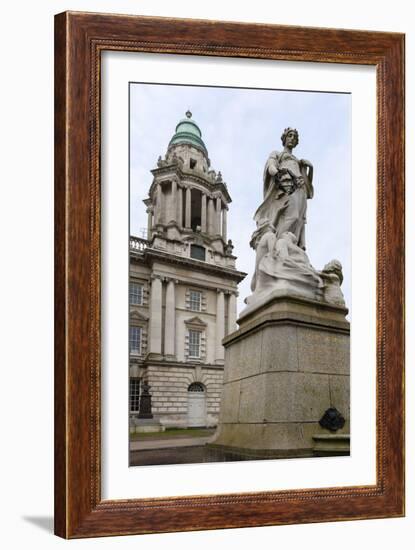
[
  {"x": 288, "y": 183},
  {"x": 287, "y": 186},
  {"x": 282, "y": 266}
]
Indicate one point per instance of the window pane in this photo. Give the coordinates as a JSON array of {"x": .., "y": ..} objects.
[
  {"x": 136, "y": 294},
  {"x": 194, "y": 343},
  {"x": 196, "y": 387},
  {"x": 195, "y": 300},
  {"x": 134, "y": 394},
  {"x": 197, "y": 252},
  {"x": 135, "y": 340}
]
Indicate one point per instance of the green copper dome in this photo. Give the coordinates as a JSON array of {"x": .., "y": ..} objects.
[{"x": 187, "y": 131}]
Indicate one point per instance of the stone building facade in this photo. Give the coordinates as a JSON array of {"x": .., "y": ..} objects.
[{"x": 183, "y": 289}]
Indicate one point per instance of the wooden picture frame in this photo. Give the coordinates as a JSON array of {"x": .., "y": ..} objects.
[{"x": 79, "y": 40}]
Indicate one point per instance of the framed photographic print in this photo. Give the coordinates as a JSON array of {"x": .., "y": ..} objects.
[{"x": 229, "y": 206}]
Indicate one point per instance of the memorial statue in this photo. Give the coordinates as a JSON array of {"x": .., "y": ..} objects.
[
  {"x": 279, "y": 239},
  {"x": 293, "y": 326},
  {"x": 288, "y": 183}
]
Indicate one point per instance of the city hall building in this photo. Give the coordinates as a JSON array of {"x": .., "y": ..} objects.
[{"x": 183, "y": 289}]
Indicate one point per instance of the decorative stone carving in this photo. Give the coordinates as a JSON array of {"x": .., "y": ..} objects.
[
  {"x": 229, "y": 248},
  {"x": 138, "y": 316},
  {"x": 279, "y": 240},
  {"x": 175, "y": 158},
  {"x": 332, "y": 420},
  {"x": 195, "y": 322},
  {"x": 332, "y": 276},
  {"x": 282, "y": 265},
  {"x": 212, "y": 175}
]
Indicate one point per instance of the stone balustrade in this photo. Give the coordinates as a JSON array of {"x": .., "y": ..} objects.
[{"x": 137, "y": 243}]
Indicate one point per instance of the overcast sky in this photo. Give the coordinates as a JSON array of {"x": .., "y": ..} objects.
[{"x": 240, "y": 127}]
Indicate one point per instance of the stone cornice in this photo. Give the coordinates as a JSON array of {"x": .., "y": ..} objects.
[
  {"x": 186, "y": 365},
  {"x": 151, "y": 254}
]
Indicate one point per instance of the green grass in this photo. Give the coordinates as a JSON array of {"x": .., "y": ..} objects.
[{"x": 173, "y": 433}]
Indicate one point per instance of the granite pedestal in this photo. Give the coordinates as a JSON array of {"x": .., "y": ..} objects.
[{"x": 286, "y": 365}]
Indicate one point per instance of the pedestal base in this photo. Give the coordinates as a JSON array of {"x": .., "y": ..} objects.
[
  {"x": 329, "y": 445},
  {"x": 286, "y": 365}
]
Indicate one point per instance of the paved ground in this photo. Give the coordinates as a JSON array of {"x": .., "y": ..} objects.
[
  {"x": 194, "y": 454},
  {"x": 177, "y": 449},
  {"x": 168, "y": 443}
]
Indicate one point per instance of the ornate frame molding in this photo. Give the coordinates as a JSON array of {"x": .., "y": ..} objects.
[{"x": 79, "y": 40}]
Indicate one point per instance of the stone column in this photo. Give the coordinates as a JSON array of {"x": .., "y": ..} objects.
[
  {"x": 155, "y": 315},
  {"x": 180, "y": 214},
  {"x": 170, "y": 319},
  {"x": 188, "y": 207},
  {"x": 203, "y": 222},
  {"x": 218, "y": 209},
  {"x": 224, "y": 224},
  {"x": 220, "y": 326},
  {"x": 232, "y": 312},
  {"x": 211, "y": 215},
  {"x": 159, "y": 206},
  {"x": 173, "y": 201},
  {"x": 149, "y": 221}
]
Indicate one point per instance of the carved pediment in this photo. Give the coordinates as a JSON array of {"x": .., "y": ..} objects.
[
  {"x": 136, "y": 315},
  {"x": 196, "y": 321}
]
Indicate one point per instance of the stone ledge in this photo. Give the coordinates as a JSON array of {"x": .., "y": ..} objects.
[
  {"x": 331, "y": 444},
  {"x": 282, "y": 297},
  {"x": 159, "y": 362},
  {"x": 151, "y": 254},
  {"x": 264, "y": 453},
  {"x": 292, "y": 310}
]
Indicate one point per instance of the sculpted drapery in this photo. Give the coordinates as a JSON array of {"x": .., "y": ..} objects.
[
  {"x": 287, "y": 186},
  {"x": 288, "y": 183}
]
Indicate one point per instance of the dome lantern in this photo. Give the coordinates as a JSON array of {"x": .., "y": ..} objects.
[{"x": 188, "y": 132}]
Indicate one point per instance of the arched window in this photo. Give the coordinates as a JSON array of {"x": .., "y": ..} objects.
[{"x": 196, "y": 387}]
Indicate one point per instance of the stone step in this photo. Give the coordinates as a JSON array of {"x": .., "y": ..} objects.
[{"x": 331, "y": 444}]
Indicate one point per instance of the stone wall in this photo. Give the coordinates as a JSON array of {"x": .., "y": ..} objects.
[{"x": 169, "y": 390}]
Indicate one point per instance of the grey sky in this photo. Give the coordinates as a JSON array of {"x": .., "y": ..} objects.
[{"x": 240, "y": 127}]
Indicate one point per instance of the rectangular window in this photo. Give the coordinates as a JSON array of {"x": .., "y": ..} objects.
[
  {"x": 135, "y": 340},
  {"x": 194, "y": 343},
  {"x": 198, "y": 252},
  {"x": 195, "y": 300},
  {"x": 134, "y": 394},
  {"x": 136, "y": 294}
]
